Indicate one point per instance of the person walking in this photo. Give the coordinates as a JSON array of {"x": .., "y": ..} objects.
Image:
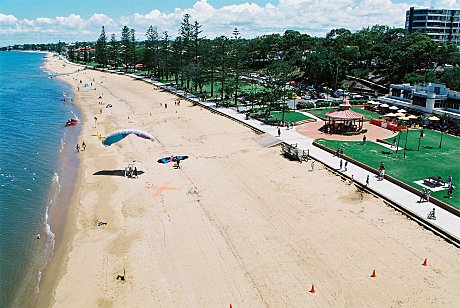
[
  {"x": 364, "y": 139},
  {"x": 341, "y": 163},
  {"x": 346, "y": 165},
  {"x": 313, "y": 166},
  {"x": 422, "y": 195},
  {"x": 367, "y": 181},
  {"x": 279, "y": 131}
]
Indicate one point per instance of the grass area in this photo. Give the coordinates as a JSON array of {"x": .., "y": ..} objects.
[
  {"x": 290, "y": 116},
  {"x": 418, "y": 165},
  {"x": 320, "y": 113}
]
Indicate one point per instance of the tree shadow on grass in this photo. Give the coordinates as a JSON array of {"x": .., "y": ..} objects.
[{"x": 114, "y": 172}]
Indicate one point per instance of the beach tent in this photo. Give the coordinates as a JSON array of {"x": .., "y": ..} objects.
[
  {"x": 122, "y": 134},
  {"x": 384, "y": 105},
  {"x": 402, "y": 111},
  {"x": 393, "y": 108}
]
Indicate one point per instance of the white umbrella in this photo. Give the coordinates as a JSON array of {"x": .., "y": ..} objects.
[
  {"x": 404, "y": 118},
  {"x": 393, "y": 108},
  {"x": 412, "y": 117},
  {"x": 384, "y": 105},
  {"x": 399, "y": 114},
  {"x": 434, "y": 118},
  {"x": 390, "y": 115},
  {"x": 373, "y": 102},
  {"x": 402, "y": 111}
]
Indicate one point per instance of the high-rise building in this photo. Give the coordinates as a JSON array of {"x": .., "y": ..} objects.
[{"x": 441, "y": 25}]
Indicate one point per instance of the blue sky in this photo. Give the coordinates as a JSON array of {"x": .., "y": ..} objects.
[
  {"x": 42, "y": 21},
  {"x": 114, "y": 8}
]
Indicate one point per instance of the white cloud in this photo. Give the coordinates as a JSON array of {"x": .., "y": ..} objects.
[
  {"x": 314, "y": 17},
  {"x": 7, "y": 19}
]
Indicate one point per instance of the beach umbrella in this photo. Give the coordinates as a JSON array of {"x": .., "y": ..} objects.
[
  {"x": 433, "y": 118},
  {"x": 384, "y": 105},
  {"x": 412, "y": 116},
  {"x": 404, "y": 118},
  {"x": 399, "y": 114},
  {"x": 393, "y": 108},
  {"x": 390, "y": 114},
  {"x": 121, "y": 134},
  {"x": 402, "y": 111},
  {"x": 373, "y": 103}
]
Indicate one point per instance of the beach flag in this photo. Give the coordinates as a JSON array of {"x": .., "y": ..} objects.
[
  {"x": 425, "y": 263},
  {"x": 373, "y": 274}
]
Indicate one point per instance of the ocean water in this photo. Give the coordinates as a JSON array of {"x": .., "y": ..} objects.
[{"x": 33, "y": 142}]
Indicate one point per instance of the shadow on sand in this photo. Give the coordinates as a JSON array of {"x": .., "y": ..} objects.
[{"x": 114, "y": 172}]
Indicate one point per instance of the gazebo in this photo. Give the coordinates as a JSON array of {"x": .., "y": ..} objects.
[{"x": 344, "y": 119}]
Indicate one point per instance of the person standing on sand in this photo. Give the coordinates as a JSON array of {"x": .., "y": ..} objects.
[
  {"x": 77, "y": 147},
  {"x": 135, "y": 172},
  {"x": 313, "y": 166},
  {"x": 83, "y": 146},
  {"x": 166, "y": 106}
]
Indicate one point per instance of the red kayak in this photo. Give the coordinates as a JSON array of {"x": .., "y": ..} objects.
[{"x": 71, "y": 122}]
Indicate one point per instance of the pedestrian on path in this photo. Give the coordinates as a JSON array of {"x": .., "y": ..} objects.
[
  {"x": 279, "y": 131},
  {"x": 364, "y": 139},
  {"x": 367, "y": 181},
  {"x": 422, "y": 195},
  {"x": 432, "y": 214},
  {"x": 346, "y": 165},
  {"x": 341, "y": 163}
]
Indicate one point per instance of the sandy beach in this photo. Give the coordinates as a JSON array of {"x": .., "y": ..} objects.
[{"x": 237, "y": 223}]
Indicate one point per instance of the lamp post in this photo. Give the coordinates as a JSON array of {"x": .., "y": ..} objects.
[{"x": 405, "y": 145}]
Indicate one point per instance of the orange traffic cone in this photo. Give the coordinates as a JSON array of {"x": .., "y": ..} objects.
[
  {"x": 373, "y": 274},
  {"x": 312, "y": 288},
  {"x": 425, "y": 263}
]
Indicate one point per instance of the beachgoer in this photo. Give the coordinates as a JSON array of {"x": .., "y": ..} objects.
[
  {"x": 83, "y": 146},
  {"x": 428, "y": 194},
  {"x": 364, "y": 139},
  {"x": 135, "y": 172},
  {"x": 432, "y": 214},
  {"x": 367, "y": 180},
  {"x": 341, "y": 162},
  {"x": 77, "y": 147},
  {"x": 449, "y": 180},
  {"x": 340, "y": 152},
  {"x": 450, "y": 191},
  {"x": 346, "y": 165},
  {"x": 422, "y": 195},
  {"x": 166, "y": 106},
  {"x": 382, "y": 174},
  {"x": 394, "y": 143},
  {"x": 313, "y": 166},
  {"x": 382, "y": 166},
  {"x": 279, "y": 131},
  {"x": 177, "y": 163}
]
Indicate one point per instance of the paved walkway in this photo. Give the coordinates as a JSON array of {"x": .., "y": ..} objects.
[{"x": 446, "y": 221}]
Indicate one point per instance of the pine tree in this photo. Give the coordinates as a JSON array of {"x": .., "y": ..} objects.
[
  {"x": 132, "y": 47},
  {"x": 101, "y": 49},
  {"x": 125, "y": 47},
  {"x": 113, "y": 51}
]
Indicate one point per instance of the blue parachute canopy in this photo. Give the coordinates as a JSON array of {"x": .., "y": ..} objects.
[{"x": 121, "y": 134}]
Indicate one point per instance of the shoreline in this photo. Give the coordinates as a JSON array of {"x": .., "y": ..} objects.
[
  {"x": 229, "y": 229},
  {"x": 61, "y": 218}
]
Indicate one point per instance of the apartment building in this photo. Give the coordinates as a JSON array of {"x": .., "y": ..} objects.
[{"x": 439, "y": 24}]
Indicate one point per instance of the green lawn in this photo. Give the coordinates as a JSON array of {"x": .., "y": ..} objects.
[
  {"x": 418, "y": 165},
  {"x": 290, "y": 116},
  {"x": 320, "y": 113}
]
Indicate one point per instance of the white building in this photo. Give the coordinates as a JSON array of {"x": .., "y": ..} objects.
[{"x": 432, "y": 98}]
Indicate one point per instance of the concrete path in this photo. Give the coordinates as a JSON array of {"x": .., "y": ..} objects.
[{"x": 408, "y": 201}]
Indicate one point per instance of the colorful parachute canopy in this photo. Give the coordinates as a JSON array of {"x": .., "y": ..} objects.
[{"x": 121, "y": 134}]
